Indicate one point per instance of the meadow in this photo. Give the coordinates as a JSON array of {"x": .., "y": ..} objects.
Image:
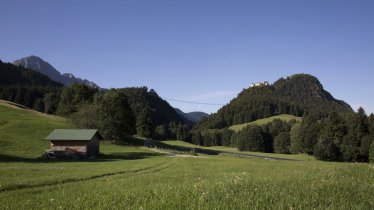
[
  {"x": 128, "y": 177},
  {"x": 283, "y": 117}
]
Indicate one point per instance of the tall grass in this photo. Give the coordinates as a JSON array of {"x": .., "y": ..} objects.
[{"x": 160, "y": 182}]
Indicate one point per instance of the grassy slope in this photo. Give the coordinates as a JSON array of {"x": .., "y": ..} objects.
[
  {"x": 264, "y": 121},
  {"x": 22, "y": 131},
  {"x": 135, "y": 178}
]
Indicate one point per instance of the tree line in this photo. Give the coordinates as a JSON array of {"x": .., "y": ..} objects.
[{"x": 345, "y": 137}]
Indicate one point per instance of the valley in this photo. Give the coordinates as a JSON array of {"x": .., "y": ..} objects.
[
  {"x": 201, "y": 105},
  {"x": 133, "y": 177}
]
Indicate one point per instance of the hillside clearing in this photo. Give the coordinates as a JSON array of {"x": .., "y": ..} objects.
[{"x": 283, "y": 117}]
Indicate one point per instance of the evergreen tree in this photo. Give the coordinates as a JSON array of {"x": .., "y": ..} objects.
[
  {"x": 196, "y": 138},
  {"x": 50, "y": 102},
  {"x": 364, "y": 149},
  {"x": 117, "y": 120},
  {"x": 38, "y": 105},
  {"x": 282, "y": 143},
  {"x": 144, "y": 124},
  {"x": 371, "y": 155},
  {"x": 251, "y": 139},
  {"x": 325, "y": 149},
  {"x": 295, "y": 146},
  {"x": 309, "y": 131},
  {"x": 358, "y": 128},
  {"x": 73, "y": 97}
]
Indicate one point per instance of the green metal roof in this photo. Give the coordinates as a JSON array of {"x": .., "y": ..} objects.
[{"x": 72, "y": 134}]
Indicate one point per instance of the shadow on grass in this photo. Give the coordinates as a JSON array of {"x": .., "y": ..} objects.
[
  {"x": 124, "y": 156},
  {"x": 101, "y": 158},
  {"x": 9, "y": 158}
]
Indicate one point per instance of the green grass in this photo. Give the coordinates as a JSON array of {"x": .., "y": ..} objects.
[
  {"x": 232, "y": 149},
  {"x": 22, "y": 131},
  {"x": 284, "y": 117},
  {"x": 157, "y": 182},
  {"x": 137, "y": 178}
]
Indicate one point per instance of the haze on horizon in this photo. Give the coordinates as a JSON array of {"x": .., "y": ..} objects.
[{"x": 203, "y": 51}]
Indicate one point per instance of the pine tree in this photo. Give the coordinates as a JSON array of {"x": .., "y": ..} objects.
[
  {"x": 38, "y": 105},
  {"x": 282, "y": 143},
  {"x": 117, "y": 120},
  {"x": 295, "y": 146},
  {"x": 371, "y": 155},
  {"x": 325, "y": 149},
  {"x": 144, "y": 124}
]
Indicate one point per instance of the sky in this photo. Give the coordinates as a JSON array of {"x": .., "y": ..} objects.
[{"x": 198, "y": 50}]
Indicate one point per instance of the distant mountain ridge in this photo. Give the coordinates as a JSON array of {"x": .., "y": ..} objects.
[
  {"x": 192, "y": 116},
  {"x": 295, "y": 95},
  {"x": 36, "y": 63}
]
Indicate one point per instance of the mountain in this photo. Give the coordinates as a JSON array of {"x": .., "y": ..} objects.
[
  {"x": 294, "y": 95},
  {"x": 28, "y": 88},
  {"x": 38, "y": 64},
  {"x": 12, "y": 75},
  {"x": 192, "y": 116}
]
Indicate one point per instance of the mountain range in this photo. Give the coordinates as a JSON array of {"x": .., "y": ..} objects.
[
  {"x": 36, "y": 63},
  {"x": 192, "y": 116},
  {"x": 295, "y": 95}
]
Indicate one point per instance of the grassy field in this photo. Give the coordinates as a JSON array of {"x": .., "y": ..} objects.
[
  {"x": 284, "y": 117},
  {"x": 233, "y": 149},
  {"x": 138, "y": 178}
]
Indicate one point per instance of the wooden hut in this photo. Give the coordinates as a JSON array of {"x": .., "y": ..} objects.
[{"x": 82, "y": 142}]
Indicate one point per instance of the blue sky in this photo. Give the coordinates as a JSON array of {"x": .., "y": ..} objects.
[{"x": 198, "y": 50}]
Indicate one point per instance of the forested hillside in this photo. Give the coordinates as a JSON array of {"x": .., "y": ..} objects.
[
  {"x": 294, "y": 95},
  {"x": 329, "y": 128},
  {"x": 29, "y": 88},
  {"x": 137, "y": 110}
]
